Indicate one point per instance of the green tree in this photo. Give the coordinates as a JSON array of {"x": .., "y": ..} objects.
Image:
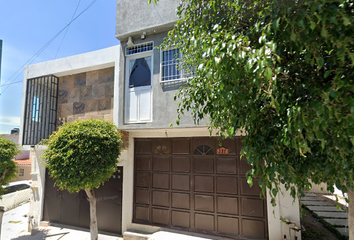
[
  {"x": 8, "y": 168},
  {"x": 82, "y": 155},
  {"x": 280, "y": 71}
]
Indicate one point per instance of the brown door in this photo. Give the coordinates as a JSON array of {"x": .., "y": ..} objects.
[
  {"x": 74, "y": 209},
  {"x": 198, "y": 185}
]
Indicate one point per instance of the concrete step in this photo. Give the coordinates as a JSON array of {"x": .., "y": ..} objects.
[
  {"x": 316, "y": 203},
  {"x": 337, "y": 222},
  {"x": 333, "y": 214},
  {"x": 310, "y": 198},
  {"x": 343, "y": 230},
  {"x": 128, "y": 235},
  {"x": 324, "y": 209}
]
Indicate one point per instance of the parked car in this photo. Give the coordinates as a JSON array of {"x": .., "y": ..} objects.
[{"x": 16, "y": 186}]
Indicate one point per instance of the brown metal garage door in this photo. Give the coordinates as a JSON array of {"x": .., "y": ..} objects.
[
  {"x": 194, "y": 184},
  {"x": 74, "y": 209}
]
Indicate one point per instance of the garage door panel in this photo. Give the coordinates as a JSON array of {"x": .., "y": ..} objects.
[
  {"x": 161, "y": 164},
  {"x": 181, "y": 182},
  {"x": 204, "y": 165},
  {"x": 70, "y": 202},
  {"x": 228, "y": 205},
  {"x": 181, "y": 200},
  {"x": 181, "y": 219},
  {"x": 142, "y": 196},
  {"x": 229, "y": 144},
  {"x": 228, "y": 225},
  {"x": 252, "y": 207},
  {"x": 204, "y": 203},
  {"x": 239, "y": 144},
  {"x": 161, "y": 180},
  {"x": 226, "y": 166},
  {"x": 143, "y": 180},
  {"x": 160, "y": 198},
  {"x": 181, "y": 164},
  {"x": 160, "y": 216},
  {"x": 226, "y": 185},
  {"x": 161, "y": 146},
  {"x": 244, "y": 166},
  {"x": 204, "y": 184},
  {"x": 255, "y": 190},
  {"x": 253, "y": 228},
  {"x": 204, "y": 222},
  {"x": 143, "y": 146},
  {"x": 198, "y": 142},
  {"x": 181, "y": 146},
  {"x": 143, "y": 163},
  {"x": 142, "y": 213}
]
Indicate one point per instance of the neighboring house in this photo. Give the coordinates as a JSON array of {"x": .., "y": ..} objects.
[
  {"x": 23, "y": 159},
  {"x": 179, "y": 178},
  {"x": 23, "y": 169}
]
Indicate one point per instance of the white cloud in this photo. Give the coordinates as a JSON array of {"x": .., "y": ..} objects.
[{"x": 12, "y": 121}]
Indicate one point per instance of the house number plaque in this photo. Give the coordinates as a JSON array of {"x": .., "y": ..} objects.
[{"x": 222, "y": 150}]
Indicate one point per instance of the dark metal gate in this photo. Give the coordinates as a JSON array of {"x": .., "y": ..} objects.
[
  {"x": 198, "y": 185},
  {"x": 74, "y": 209}
]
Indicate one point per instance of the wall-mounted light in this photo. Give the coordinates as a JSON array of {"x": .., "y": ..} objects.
[
  {"x": 130, "y": 42},
  {"x": 143, "y": 36}
]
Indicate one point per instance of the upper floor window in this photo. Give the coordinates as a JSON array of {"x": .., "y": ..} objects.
[
  {"x": 171, "y": 67},
  {"x": 139, "y": 48},
  {"x": 40, "y": 109},
  {"x": 140, "y": 74},
  {"x": 138, "y": 83},
  {"x": 35, "y": 109}
]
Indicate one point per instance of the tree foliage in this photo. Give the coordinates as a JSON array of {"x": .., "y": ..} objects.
[
  {"x": 83, "y": 154},
  {"x": 282, "y": 72},
  {"x": 8, "y": 167}
]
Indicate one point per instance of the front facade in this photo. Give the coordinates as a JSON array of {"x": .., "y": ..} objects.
[{"x": 178, "y": 178}]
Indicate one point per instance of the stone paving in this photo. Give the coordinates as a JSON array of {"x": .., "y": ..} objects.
[{"x": 328, "y": 210}]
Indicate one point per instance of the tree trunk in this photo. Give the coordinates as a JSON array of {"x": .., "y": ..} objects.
[
  {"x": 351, "y": 215},
  {"x": 93, "y": 216}
]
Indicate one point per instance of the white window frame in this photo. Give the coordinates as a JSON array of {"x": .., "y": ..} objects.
[
  {"x": 182, "y": 73},
  {"x": 127, "y": 88},
  {"x": 21, "y": 173}
]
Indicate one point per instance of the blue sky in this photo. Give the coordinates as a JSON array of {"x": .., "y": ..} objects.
[{"x": 27, "y": 25}]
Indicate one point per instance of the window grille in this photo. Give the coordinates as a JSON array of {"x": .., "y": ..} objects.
[
  {"x": 139, "y": 48},
  {"x": 21, "y": 173},
  {"x": 40, "y": 109},
  {"x": 171, "y": 67}
]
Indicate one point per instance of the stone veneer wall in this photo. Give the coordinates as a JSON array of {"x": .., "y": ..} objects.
[{"x": 86, "y": 95}]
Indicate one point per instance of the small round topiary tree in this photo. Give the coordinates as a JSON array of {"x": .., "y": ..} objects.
[
  {"x": 8, "y": 168},
  {"x": 82, "y": 155}
]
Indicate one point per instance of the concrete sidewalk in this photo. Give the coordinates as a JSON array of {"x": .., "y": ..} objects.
[
  {"x": 15, "y": 224},
  {"x": 324, "y": 206}
]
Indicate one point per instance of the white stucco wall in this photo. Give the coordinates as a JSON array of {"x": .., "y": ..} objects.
[{"x": 38, "y": 181}]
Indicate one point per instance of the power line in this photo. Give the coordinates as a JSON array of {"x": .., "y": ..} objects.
[
  {"x": 10, "y": 83},
  {"x": 62, "y": 40},
  {"x": 29, "y": 61}
]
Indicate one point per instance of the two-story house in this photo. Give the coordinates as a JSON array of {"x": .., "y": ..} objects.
[{"x": 176, "y": 178}]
